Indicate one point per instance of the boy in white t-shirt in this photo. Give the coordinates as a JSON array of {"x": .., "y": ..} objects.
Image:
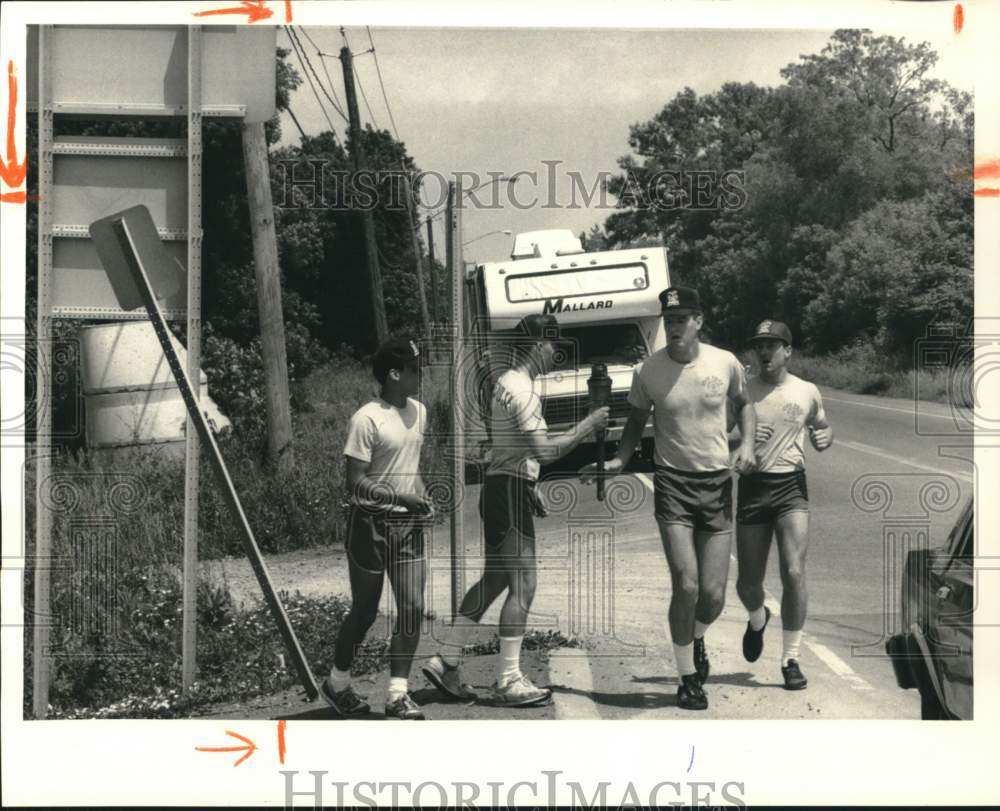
[
  {"x": 773, "y": 499},
  {"x": 388, "y": 516}
]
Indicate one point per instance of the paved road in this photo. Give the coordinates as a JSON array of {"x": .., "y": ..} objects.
[{"x": 882, "y": 487}]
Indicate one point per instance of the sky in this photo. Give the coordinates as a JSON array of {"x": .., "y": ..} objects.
[{"x": 504, "y": 101}]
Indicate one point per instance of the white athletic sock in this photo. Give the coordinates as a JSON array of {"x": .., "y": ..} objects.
[
  {"x": 339, "y": 679},
  {"x": 398, "y": 687},
  {"x": 510, "y": 659},
  {"x": 790, "y": 645},
  {"x": 684, "y": 657},
  {"x": 700, "y": 628},
  {"x": 457, "y": 637},
  {"x": 757, "y": 618}
]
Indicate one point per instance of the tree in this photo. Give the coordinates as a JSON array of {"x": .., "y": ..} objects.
[{"x": 852, "y": 129}]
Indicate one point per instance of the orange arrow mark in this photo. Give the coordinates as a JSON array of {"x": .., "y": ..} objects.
[
  {"x": 12, "y": 172},
  {"x": 255, "y": 10},
  {"x": 281, "y": 741},
  {"x": 250, "y": 747},
  {"x": 288, "y": 11}
]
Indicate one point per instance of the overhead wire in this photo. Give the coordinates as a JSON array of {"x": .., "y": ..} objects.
[
  {"x": 322, "y": 60},
  {"x": 304, "y": 56},
  {"x": 319, "y": 101}
]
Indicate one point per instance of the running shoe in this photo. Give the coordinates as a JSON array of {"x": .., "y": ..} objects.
[
  {"x": 794, "y": 680},
  {"x": 701, "y": 659},
  {"x": 753, "y": 641},
  {"x": 346, "y": 703},
  {"x": 519, "y": 692},
  {"x": 690, "y": 696},
  {"x": 404, "y": 708},
  {"x": 447, "y": 678}
]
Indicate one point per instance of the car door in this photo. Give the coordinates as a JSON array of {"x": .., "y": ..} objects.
[{"x": 950, "y": 629}]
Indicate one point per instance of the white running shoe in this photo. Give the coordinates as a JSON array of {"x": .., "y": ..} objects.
[
  {"x": 447, "y": 679},
  {"x": 519, "y": 692}
]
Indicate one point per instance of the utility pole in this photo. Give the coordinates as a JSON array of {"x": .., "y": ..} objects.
[
  {"x": 280, "y": 450},
  {"x": 413, "y": 225},
  {"x": 453, "y": 243},
  {"x": 435, "y": 309},
  {"x": 358, "y": 152}
]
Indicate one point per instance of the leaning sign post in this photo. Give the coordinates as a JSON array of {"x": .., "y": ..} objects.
[{"x": 128, "y": 245}]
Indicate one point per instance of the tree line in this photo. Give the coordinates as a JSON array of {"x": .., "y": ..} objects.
[{"x": 856, "y": 217}]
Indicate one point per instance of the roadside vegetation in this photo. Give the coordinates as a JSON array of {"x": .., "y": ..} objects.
[{"x": 856, "y": 229}]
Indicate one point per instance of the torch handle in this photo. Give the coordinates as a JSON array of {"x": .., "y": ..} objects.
[{"x": 600, "y": 437}]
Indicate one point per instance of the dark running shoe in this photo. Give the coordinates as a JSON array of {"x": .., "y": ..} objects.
[
  {"x": 404, "y": 708},
  {"x": 701, "y": 659},
  {"x": 346, "y": 703},
  {"x": 690, "y": 696},
  {"x": 794, "y": 680},
  {"x": 753, "y": 641}
]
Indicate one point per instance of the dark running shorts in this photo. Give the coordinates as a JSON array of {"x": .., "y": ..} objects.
[
  {"x": 505, "y": 505},
  {"x": 765, "y": 497},
  {"x": 703, "y": 501},
  {"x": 380, "y": 539}
]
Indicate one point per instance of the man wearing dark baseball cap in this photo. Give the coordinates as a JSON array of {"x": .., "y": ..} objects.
[
  {"x": 688, "y": 385},
  {"x": 773, "y": 499},
  {"x": 507, "y": 503},
  {"x": 385, "y": 534}
]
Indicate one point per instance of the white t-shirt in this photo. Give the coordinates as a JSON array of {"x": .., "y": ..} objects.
[
  {"x": 786, "y": 409},
  {"x": 516, "y": 411},
  {"x": 389, "y": 439},
  {"x": 689, "y": 406}
]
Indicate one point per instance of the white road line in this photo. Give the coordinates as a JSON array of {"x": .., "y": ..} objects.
[
  {"x": 823, "y": 653},
  {"x": 571, "y": 669},
  {"x": 874, "y": 451},
  {"x": 908, "y": 412}
]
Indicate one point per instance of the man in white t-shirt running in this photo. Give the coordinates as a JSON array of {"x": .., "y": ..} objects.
[
  {"x": 508, "y": 503},
  {"x": 388, "y": 518},
  {"x": 773, "y": 499},
  {"x": 688, "y": 385}
]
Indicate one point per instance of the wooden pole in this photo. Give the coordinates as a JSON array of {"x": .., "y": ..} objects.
[
  {"x": 413, "y": 225},
  {"x": 435, "y": 310},
  {"x": 371, "y": 247},
  {"x": 280, "y": 450}
]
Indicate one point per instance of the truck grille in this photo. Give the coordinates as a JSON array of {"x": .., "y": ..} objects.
[{"x": 570, "y": 410}]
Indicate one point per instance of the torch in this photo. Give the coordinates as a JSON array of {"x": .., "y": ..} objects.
[{"x": 599, "y": 387}]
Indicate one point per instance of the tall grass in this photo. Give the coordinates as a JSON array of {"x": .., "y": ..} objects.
[{"x": 117, "y": 542}]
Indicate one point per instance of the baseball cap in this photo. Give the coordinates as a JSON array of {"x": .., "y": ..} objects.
[
  {"x": 395, "y": 353},
  {"x": 768, "y": 328},
  {"x": 540, "y": 326},
  {"x": 680, "y": 299}
]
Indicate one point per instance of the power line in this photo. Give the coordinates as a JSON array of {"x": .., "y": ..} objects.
[
  {"x": 322, "y": 60},
  {"x": 378, "y": 70},
  {"x": 305, "y": 57},
  {"x": 319, "y": 101}
]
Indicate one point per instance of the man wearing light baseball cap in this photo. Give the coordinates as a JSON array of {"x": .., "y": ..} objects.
[
  {"x": 773, "y": 499},
  {"x": 688, "y": 385}
]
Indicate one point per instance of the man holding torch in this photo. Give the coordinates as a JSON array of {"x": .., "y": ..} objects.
[
  {"x": 508, "y": 504},
  {"x": 688, "y": 384}
]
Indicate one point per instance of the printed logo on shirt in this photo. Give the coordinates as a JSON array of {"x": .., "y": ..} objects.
[
  {"x": 793, "y": 412},
  {"x": 713, "y": 386}
]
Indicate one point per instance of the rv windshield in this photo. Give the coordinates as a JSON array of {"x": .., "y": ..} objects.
[{"x": 600, "y": 343}]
